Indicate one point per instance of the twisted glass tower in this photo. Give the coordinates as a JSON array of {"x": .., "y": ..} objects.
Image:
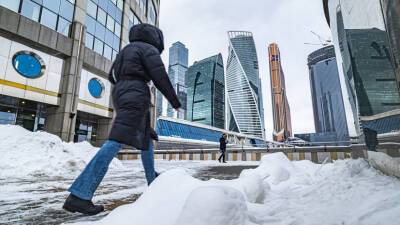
[{"x": 243, "y": 86}]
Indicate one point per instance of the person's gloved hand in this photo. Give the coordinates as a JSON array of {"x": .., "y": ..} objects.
[{"x": 153, "y": 134}]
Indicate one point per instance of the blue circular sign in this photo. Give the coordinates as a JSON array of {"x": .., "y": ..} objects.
[
  {"x": 95, "y": 87},
  {"x": 28, "y": 64}
]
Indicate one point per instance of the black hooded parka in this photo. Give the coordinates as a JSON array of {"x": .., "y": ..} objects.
[{"x": 135, "y": 66}]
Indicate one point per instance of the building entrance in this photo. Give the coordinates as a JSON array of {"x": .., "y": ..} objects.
[{"x": 27, "y": 114}]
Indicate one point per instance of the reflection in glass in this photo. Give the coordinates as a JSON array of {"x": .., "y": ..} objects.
[
  {"x": 30, "y": 10},
  {"x": 360, "y": 36},
  {"x": 49, "y": 19},
  {"x": 12, "y": 5}
]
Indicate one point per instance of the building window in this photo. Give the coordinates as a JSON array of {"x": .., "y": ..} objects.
[
  {"x": 28, "y": 64},
  {"x": 133, "y": 19},
  {"x": 96, "y": 88},
  {"x": 49, "y": 19},
  {"x": 142, "y": 5},
  {"x": 31, "y": 10},
  {"x": 152, "y": 16},
  {"x": 103, "y": 22},
  {"x": 11, "y": 4},
  {"x": 55, "y": 14}
]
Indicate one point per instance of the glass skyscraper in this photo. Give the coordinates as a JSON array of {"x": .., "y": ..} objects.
[
  {"x": 391, "y": 12},
  {"x": 206, "y": 92},
  {"x": 367, "y": 54},
  {"x": 326, "y": 92},
  {"x": 243, "y": 86},
  {"x": 178, "y": 65}
]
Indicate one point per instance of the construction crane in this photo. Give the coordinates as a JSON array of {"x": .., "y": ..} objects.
[{"x": 323, "y": 41}]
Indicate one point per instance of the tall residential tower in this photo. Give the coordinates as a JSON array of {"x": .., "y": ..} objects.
[
  {"x": 243, "y": 86},
  {"x": 206, "y": 92},
  {"x": 280, "y": 104},
  {"x": 178, "y": 65}
]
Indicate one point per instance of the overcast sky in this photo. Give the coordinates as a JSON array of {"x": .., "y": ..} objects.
[{"x": 202, "y": 26}]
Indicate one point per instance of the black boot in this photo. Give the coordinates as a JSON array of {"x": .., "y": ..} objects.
[{"x": 74, "y": 204}]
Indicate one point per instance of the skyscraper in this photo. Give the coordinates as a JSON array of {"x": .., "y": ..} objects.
[
  {"x": 326, "y": 93},
  {"x": 365, "y": 45},
  {"x": 243, "y": 86},
  {"x": 159, "y": 103},
  {"x": 391, "y": 12},
  {"x": 206, "y": 92},
  {"x": 178, "y": 65},
  {"x": 280, "y": 104}
]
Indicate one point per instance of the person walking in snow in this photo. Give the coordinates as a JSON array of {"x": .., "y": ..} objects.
[
  {"x": 222, "y": 147},
  {"x": 135, "y": 66}
]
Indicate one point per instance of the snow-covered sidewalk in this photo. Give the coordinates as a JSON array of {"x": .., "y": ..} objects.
[
  {"x": 37, "y": 168},
  {"x": 277, "y": 192}
]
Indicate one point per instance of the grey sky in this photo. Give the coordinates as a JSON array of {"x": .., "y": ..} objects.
[{"x": 202, "y": 26}]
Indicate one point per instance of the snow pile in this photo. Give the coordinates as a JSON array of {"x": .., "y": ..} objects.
[
  {"x": 384, "y": 163},
  {"x": 277, "y": 192},
  {"x": 26, "y": 154}
]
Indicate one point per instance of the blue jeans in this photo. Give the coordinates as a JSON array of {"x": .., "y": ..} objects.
[{"x": 88, "y": 181}]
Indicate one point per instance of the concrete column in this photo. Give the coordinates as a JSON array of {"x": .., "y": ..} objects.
[
  {"x": 103, "y": 130},
  {"x": 61, "y": 120}
]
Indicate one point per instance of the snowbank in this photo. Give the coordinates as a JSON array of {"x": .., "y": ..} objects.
[
  {"x": 277, "y": 192},
  {"x": 26, "y": 154},
  {"x": 384, "y": 163}
]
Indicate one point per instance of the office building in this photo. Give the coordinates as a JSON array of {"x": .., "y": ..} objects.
[
  {"x": 55, "y": 56},
  {"x": 365, "y": 48},
  {"x": 178, "y": 65},
  {"x": 391, "y": 12},
  {"x": 280, "y": 105},
  {"x": 206, "y": 92},
  {"x": 243, "y": 86},
  {"x": 326, "y": 93}
]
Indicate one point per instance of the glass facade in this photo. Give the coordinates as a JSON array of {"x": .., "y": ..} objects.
[
  {"x": 159, "y": 104},
  {"x": 103, "y": 26},
  {"x": 55, "y": 14},
  {"x": 361, "y": 38},
  {"x": 326, "y": 92},
  {"x": 86, "y": 128},
  {"x": 133, "y": 19},
  {"x": 178, "y": 65},
  {"x": 244, "y": 86},
  {"x": 205, "y": 92},
  {"x": 142, "y": 5},
  {"x": 28, "y": 114},
  {"x": 192, "y": 131},
  {"x": 151, "y": 13},
  {"x": 391, "y": 12},
  {"x": 179, "y": 130}
]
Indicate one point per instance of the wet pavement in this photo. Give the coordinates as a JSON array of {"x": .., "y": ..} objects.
[{"x": 39, "y": 200}]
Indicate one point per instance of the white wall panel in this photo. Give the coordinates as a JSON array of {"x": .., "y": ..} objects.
[
  {"x": 84, "y": 94},
  {"x": 3, "y": 66},
  {"x": 4, "y": 47},
  {"x": 49, "y": 81}
]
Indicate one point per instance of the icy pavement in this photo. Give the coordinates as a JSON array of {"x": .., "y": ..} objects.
[{"x": 38, "y": 200}]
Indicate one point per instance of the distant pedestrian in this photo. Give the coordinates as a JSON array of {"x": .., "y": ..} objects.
[
  {"x": 135, "y": 66},
  {"x": 222, "y": 147}
]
